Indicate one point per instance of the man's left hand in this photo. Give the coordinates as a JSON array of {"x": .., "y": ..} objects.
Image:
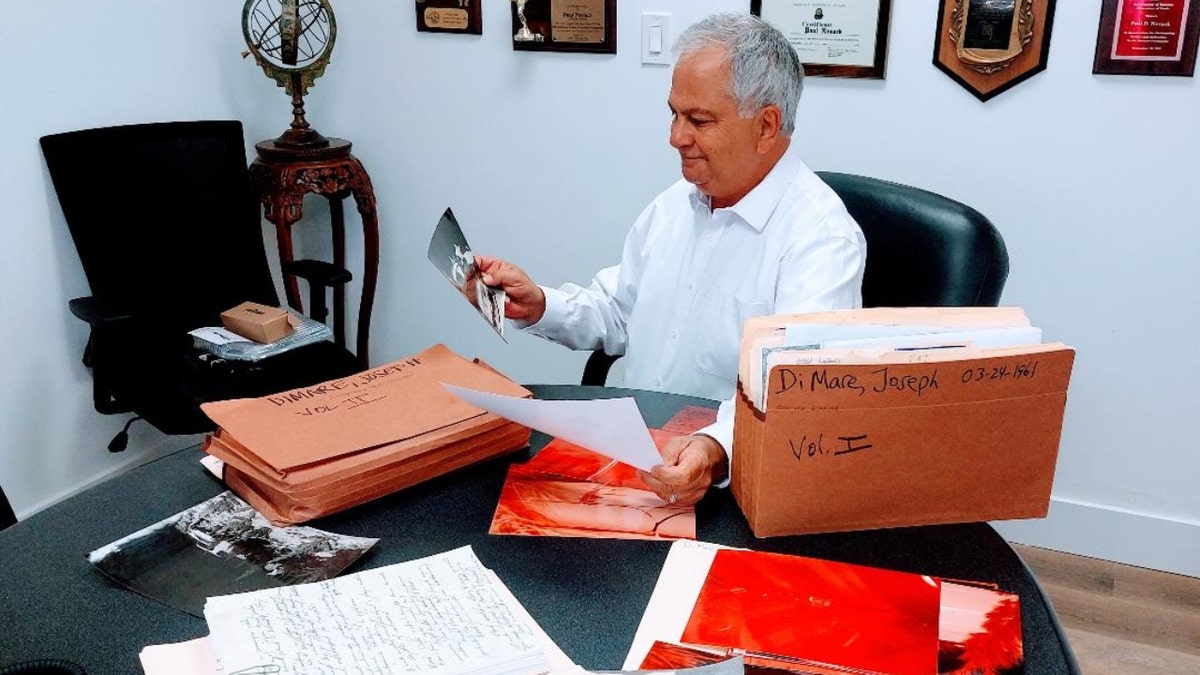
[{"x": 691, "y": 464}]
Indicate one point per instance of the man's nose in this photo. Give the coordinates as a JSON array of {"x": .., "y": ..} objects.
[{"x": 680, "y": 135}]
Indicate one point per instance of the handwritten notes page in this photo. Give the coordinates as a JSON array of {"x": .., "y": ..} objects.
[{"x": 441, "y": 615}]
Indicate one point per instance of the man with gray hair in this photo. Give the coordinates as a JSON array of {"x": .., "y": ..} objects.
[{"x": 749, "y": 231}]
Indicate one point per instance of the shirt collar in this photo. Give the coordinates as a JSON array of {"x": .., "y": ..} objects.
[{"x": 759, "y": 203}]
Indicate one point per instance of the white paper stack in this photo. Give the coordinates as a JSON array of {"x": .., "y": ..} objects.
[{"x": 443, "y": 615}]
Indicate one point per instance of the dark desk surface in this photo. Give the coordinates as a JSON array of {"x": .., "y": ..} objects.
[{"x": 588, "y": 594}]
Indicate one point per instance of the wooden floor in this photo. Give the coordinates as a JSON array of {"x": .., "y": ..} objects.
[{"x": 1122, "y": 619}]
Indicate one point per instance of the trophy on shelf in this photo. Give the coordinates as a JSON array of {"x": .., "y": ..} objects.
[{"x": 524, "y": 34}]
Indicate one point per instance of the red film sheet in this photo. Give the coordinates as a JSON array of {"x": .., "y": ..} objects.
[
  {"x": 569, "y": 491},
  {"x": 979, "y": 631},
  {"x": 853, "y": 616}
]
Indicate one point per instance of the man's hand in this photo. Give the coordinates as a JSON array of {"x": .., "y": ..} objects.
[
  {"x": 526, "y": 301},
  {"x": 691, "y": 464}
]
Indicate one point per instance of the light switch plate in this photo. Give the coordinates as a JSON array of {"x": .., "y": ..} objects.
[{"x": 656, "y": 38}]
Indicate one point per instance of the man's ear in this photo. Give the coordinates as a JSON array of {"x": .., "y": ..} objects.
[{"x": 770, "y": 121}]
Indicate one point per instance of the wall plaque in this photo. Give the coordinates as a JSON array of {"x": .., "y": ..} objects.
[
  {"x": 988, "y": 46},
  {"x": 1147, "y": 37},
  {"x": 449, "y": 16},
  {"x": 565, "y": 25}
]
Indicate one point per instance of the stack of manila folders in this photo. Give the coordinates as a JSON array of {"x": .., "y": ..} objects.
[{"x": 309, "y": 452}]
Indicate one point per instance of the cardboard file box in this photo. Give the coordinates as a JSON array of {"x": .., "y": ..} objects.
[
  {"x": 856, "y": 447},
  {"x": 260, "y": 323}
]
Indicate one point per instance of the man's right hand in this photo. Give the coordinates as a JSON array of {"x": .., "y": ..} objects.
[{"x": 526, "y": 301}]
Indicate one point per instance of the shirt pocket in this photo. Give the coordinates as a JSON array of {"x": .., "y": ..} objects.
[{"x": 720, "y": 334}]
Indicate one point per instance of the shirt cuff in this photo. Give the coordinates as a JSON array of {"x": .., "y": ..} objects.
[
  {"x": 554, "y": 316},
  {"x": 721, "y": 431}
]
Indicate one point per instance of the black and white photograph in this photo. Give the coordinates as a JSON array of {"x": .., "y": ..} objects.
[
  {"x": 451, "y": 255},
  {"x": 222, "y": 546}
]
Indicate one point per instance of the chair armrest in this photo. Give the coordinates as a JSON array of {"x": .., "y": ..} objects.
[
  {"x": 110, "y": 327},
  {"x": 320, "y": 276},
  {"x": 595, "y": 371},
  {"x": 318, "y": 272},
  {"x": 99, "y": 314}
]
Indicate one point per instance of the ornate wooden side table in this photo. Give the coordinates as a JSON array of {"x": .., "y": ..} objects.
[{"x": 282, "y": 175}]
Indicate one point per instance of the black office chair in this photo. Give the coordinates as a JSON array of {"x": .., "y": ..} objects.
[
  {"x": 7, "y": 517},
  {"x": 923, "y": 250},
  {"x": 169, "y": 233}
]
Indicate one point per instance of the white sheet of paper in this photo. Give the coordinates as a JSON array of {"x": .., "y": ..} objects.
[
  {"x": 612, "y": 427},
  {"x": 987, "y": 338},
  {"x": 215, "y": 466},
  {"x": 436, "y": 615},
  {"x": 197, "y": 657},
  {"x": 194, "y": 657},
  {"x": 817, "y": 333},
  {"x": 217, "y": 336},
  {"x": 670, "y": 606}
]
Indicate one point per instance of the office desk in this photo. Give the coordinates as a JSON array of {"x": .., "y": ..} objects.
[{"x": 587, "y": 594}]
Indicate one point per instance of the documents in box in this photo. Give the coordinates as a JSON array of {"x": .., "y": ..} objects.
[
  {"x": 312, "y": 451},
  {"x": 873, "y": 437}
]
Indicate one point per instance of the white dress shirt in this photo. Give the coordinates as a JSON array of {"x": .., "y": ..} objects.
[{"x": 690, "y": 276}]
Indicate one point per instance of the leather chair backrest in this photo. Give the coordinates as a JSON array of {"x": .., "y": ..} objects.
[
  {"x": 923, "y": 249},
  {"x": 163, "y": 218}
]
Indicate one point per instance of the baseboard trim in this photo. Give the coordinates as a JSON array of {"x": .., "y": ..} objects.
[{"x": 1107, "y": 533}]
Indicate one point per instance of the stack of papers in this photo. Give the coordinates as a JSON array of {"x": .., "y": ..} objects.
[
  {"x": 881, "y": 335},
  {"x": 226, "y": 344},
  {"x": 442, "y": 615},
  {"x": 312, "y": 451},
  {"x": 800, "y": 614}
]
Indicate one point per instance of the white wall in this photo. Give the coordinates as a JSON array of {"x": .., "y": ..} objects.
[{"x": 547, "y": 158}]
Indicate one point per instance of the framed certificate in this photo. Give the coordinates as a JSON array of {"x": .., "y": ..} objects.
[
  {"x": 449, "y": 16},
  {"x": 565, "y": 26},
  {"x": 1147, "y": 37},
  {"x": 833, "y": 39},
  {"x": 990, "y": 46}
]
